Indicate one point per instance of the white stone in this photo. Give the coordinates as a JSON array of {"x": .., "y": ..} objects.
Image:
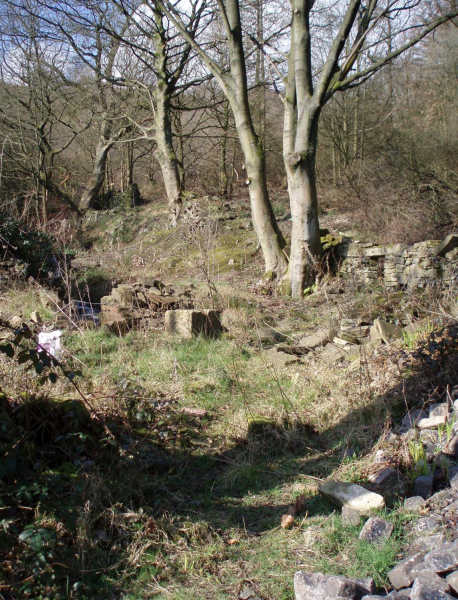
[
  {"x": 353, "y": 496},
  {"x": 430, "y": 422}
]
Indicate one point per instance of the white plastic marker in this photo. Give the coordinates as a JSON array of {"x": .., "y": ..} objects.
[{"x": 50, "y": 342}]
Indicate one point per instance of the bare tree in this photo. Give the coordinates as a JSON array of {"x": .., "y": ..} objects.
[
  {"x": 110, "y": 107},
  {"x": 39, "y": 104},
  {"x": 232, "y": 77},
  {"x": 353, "y": 56}
]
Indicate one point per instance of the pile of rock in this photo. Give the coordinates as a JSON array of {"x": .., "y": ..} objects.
[
  {"x": 142, "y": 304},
  {"x": 431, "y": 575},
  {"x": 400, "y": 265},
  {"x": 436, "y": 430},
  {"x": 336, "y": 345},
  {"x": 430, "y": 569}
]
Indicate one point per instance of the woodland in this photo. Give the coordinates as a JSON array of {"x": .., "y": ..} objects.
[{"x": 212, "y": 97}]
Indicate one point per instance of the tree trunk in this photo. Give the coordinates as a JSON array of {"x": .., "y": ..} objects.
[
  {"x": 300, "y": 137},
  {"x": 165, "y": 154},
  {"x": 97, "y": 179},
  {"x": 305, "y": 235},
  {"x": 269, "y": 235},
  {"x": 223, "y": 178}
]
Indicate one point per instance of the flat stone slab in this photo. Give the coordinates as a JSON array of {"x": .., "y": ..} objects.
[
  {"x": 352, "y": 495},
  {"x": 414, "y": 504},
  {"x": 383, "y": 476},
  {"x": 277, "y": 357},
  {"x": 427, "y": 577},
  {"x": 315, "y": 340},
  {"x": 376, "y": 530},
  {"x": 331, "y": 355},
  {"x": 424, "y": 591},
  {"x": 401, "y": 576},
  {"x": 448, "y": 244},
  {"x": 190, "y": 323},
  {"x": 388, "y": 331},
  {"x": 443, "y": 559},
  {"x": 426, "y": 525},
  {"x": 431, "y": 422},
  {"x": 426, "y": 543}
]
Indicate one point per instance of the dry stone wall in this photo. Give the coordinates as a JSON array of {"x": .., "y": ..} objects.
[{"x": 399, "y": 265}]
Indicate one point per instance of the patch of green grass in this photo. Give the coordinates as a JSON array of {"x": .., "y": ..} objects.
[
  {"x": 343, "y": 553},
  {"x": 411, "y": 340},
  {"x": 22, "y": 301}
]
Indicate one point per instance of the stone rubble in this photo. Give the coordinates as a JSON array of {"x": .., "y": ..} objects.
[
  {"x": 430, "y": 569},
  {"x": 140, "y": 304},
  {"x": 350, "y": 341}
]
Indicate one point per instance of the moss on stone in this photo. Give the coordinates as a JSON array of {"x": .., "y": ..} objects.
[
  {"x": 260, "y": 426},
  {"x": 329, "y": 241},
  {"x": 284, "y": 287}
]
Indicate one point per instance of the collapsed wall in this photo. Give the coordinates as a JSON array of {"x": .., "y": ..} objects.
[{"x": 400, "y": 266}]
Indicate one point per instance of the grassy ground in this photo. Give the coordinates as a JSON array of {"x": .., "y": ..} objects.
[
  {"x": 182, "y": 507},
  {"x": 124, "y": 495}
]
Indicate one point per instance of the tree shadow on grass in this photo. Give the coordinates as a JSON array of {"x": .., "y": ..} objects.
[{"x": 110, "y": 494}]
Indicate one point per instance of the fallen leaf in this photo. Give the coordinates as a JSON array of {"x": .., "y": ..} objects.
[
  {"x": 232, "y": 541},
  {"x": 287, "y": 521},
  {"x": 300, "y": 503},
  {"x": 246, "y": 593},
  {"x": 199, "y": 413}
]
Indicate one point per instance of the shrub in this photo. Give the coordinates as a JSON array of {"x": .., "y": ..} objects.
[{"x": 34, "y": 250}]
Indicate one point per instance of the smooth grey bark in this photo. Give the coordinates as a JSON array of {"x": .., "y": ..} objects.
[
  {"x": 165, "y": 153},
  {"x": 223, "y": 178},
  {"x": 269, "y": 235}
]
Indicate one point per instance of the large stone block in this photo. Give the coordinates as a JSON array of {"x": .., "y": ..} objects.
[
  {"x": 115, "y": 318},
  {"x": 123, "y": 294},
  {"x": 387, "y": 331},
  {"x": 316, "y": 340},
  {"x": 447, "y": 245},
  {"x": 353, "y": 496},
  {"x": 190, "y": 323}
]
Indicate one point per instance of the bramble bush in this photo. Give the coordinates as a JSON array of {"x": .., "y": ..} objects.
[{"x": 32, "y": 249}]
